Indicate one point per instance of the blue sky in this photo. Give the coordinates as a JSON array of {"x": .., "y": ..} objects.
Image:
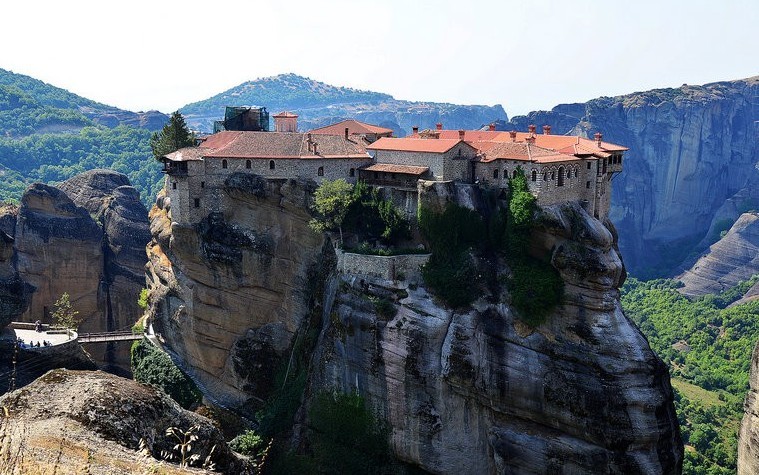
[{"x": 142, "y": 55}]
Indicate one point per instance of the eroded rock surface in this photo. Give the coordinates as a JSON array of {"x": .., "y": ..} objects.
[
  {"x": 230, "y": 292},
  {"x": 732, "y": 259},
  {"x": 86, "y": 238},
  {"x": 474, "y": 391},
  {"x": 92, "y": 422},
  {"x": 748, "y": 437}
]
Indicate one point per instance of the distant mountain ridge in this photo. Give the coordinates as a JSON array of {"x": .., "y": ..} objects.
[
  {"x": 319, "y": 104},
  {"x": 22, "y": 96}
]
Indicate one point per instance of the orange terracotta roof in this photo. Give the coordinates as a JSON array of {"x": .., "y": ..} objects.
[
  {"x": 390, "y": 168},
  {"x": 354, "y": 128},
  {"x": 524, "y": 151},
  {"x": 469, "y": 135},
  {"x": 415, "y": 145},
  {"x": 285, "y": 114}
]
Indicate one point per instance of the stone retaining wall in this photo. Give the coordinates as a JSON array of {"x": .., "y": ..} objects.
[{"x": 383, "y": 267}]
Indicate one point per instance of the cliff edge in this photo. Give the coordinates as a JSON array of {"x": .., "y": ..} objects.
[{"x": 476, "y": 390}]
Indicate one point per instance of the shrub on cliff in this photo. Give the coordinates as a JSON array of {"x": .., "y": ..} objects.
[
  {"x": 347, "y": 436},
  {"x": 535, "y": 285},
  {"x": 451, "y": 272},
  {"x": 154, "y": 367}
]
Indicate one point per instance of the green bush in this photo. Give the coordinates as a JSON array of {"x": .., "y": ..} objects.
[
  {"x": 154, "y": 367},
  {"x": 536, "y": 288},
  {"x": 248, "y": 443},
  {"x": 451, "y": 272},
  {"x": 347, "y": 437}
]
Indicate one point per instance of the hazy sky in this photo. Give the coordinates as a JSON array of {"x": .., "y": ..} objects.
[{"x": 525, "y": 55}]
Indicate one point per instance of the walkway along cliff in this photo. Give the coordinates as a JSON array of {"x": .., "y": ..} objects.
[{"x": 245, "y": 290}]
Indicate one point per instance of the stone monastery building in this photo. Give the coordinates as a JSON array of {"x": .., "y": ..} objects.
[{"x": 558, "y": 167}]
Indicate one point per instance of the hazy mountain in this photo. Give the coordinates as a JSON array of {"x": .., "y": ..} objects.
[{"x": 319, "y": 104}]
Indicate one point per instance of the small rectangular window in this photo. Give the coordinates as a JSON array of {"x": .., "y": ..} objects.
[
  {"x": 174, "y": 185},
  {"x": 588, "y": 165},
  {"x": 197, "y": 202},
  {"x": 587, "y": 184},
  {"x": 202, "y": 184}
]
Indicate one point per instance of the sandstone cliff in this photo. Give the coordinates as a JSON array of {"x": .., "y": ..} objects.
[
  {"x": 732, "y": 259},
  {"x": 473, "y": 391},
  {"x": 691, "y": 149},
  {"x": 86, "y": 238},
  {"x": 72, "y": 422}
]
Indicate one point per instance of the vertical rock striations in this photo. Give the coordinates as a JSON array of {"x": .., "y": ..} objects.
[
  {"x": 471, "y": 391},
  {"x": 691, "y": 149},
  {"x": 748, "y": 437},
  {"x": 86, "y": 238},
  {"x": 230, "y": 292}
]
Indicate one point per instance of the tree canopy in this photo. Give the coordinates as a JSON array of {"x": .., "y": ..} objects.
[{"x": 174, "y": 135}]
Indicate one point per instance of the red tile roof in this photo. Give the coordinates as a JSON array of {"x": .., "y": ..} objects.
[
  {"x": 237, "y": 144},
  {"x": 354, "y": 128},
  {"x": 415, "y": 145},
  {"x": 391, "y": 168}
]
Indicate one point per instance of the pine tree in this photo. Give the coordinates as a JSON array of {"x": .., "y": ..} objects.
[
  {"x": 174, "y": 135},
  {"x": 64, "y": 314}
]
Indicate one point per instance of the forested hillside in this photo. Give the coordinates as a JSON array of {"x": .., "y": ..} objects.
[
  {"x": 48, "y": 134},
  {"x": 708, "y": 347}
]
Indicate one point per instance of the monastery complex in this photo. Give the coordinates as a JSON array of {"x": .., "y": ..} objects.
[{"x": 558, "y": 168}]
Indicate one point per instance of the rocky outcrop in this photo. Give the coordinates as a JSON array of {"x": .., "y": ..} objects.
[
  {"x": 58, "y": 249},
  {"x": 478, "y": 391},
  {"x": 93, "y": 422},
  {"x": 86, "y": 238},
  {"x": 471, "y": 391},
  {"x": 228, "y": 293},
  {"x": 691, "y": 149},
  {"x": 733, "y": 259}
]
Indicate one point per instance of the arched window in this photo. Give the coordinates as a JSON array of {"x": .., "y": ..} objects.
[
  {"x": 545, "y": 176},
  {"x": 534, "y": 175},
  {"x": 271, "y": 164},
  {"x": 223, "y": 164},
  {"x": 553, "y": 175},
  {"x": 495, "y": 174},
  {"x": 352, "y": 172},
  {"x": 575, "y": 172},
  {"x": 561, "y": 177},
  {"x": 247, "y": 164},
  {"x": 320, "y": 172}
]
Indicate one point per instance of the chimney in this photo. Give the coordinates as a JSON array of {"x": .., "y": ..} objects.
[
  {"x": 546, "y": 130},
  {"x": 461, "y": 134},
  {"x": 315, "y": 152},
  {"x": 598, "y": 136},
  {"x": 530, "y": 139},
  {"x": 439, "y": 126},
  {"x": 513, "y": 135},
  {"x": 346, "y": 133},
  {"x": 491, "y": 127},
  {"x": 415, "y": 129},
  {"x": 531, "y": 128}
]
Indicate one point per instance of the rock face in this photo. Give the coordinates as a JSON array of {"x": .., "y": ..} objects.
[
  {"x": 93, "y": 422},
  {"x": 732, "y": 259},
  {"x": 228, "y": 293},
  {"x": 86, "y": 238},
  {"x": 691, "y": 149},
  {"x": 473, "y": 391}
]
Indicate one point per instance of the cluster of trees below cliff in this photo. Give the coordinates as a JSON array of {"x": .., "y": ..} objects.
[{"x": 708, "y": 348}]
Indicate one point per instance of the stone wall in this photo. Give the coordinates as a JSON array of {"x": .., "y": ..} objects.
[
  {"x": 194, "y": 195},
  {"x": 383, "y": 267}
]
